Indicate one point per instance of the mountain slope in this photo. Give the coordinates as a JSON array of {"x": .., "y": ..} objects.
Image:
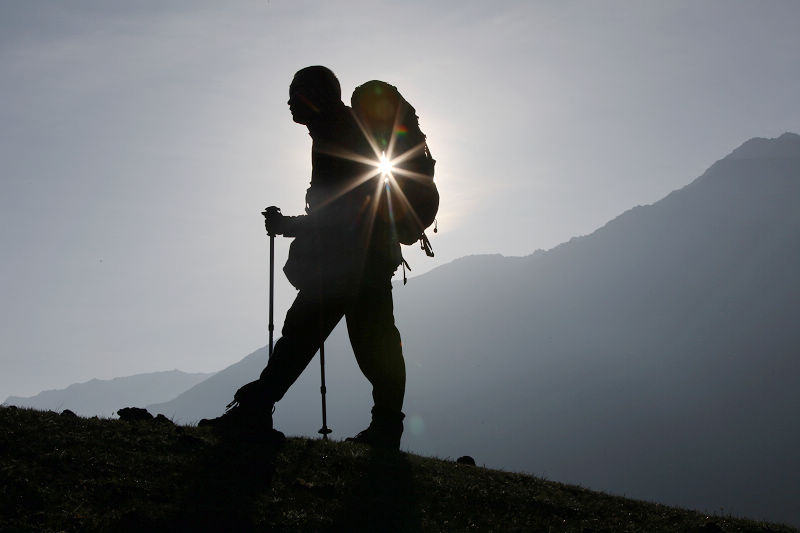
[
  {"x": 105, "y": 397},
  {"x": 656, "y": 357},
  {"x": 208, "y": 399},
  {"x": 63, "y": 473}
]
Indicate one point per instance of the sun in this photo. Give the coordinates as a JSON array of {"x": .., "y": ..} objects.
[{"x": 385, "y": 166}]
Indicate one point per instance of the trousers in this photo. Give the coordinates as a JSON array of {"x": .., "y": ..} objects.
[{"x": 376, "y": 343}]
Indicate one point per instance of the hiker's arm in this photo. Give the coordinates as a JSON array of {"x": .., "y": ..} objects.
[
  {"x": 293, "y": 226},
  {"x": 278, "y": 224}
]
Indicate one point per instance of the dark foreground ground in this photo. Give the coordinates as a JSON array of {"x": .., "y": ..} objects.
[{"x": 65, "y": 473}]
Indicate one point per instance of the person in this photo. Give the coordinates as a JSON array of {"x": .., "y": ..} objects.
[{"x": 341, "y": 261}]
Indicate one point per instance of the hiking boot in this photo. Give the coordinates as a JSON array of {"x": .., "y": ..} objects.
[
  {"x": 376, "y": 439},
  {"x": 247, "y": 415},
  {"x": 240, "y": 421},
  {"x": 383, "y": 432}
]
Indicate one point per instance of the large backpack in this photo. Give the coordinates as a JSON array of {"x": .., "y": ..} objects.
[{"x": 392, "y": 125}]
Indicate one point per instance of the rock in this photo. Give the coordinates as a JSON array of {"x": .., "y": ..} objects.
[
  {"x": 161, "y": 419},
  {"x": 134, "y": 414},
  {"x": 466, "y": 460}
]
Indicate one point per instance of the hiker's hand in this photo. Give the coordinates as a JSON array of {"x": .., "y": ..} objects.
[{"x": 273, "y": 220}]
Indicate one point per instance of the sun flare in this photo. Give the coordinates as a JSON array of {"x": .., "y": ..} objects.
[{"x": 384, "y": 165}]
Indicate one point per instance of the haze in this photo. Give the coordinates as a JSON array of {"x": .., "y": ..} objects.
[{"x": 140, "y": 141}]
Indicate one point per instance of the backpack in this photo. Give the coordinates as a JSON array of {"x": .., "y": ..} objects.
[{"x": 392, "y": 127}]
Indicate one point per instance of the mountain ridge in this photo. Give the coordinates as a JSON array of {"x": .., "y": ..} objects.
[
  {"x": 786, "y": 145},
  {"x": 103, "y": 397}
]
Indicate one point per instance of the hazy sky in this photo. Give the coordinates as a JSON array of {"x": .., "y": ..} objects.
[{"x": 139, "y": 142}]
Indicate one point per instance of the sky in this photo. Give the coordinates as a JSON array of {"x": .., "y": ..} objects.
[{"x": 139, "y": 142}]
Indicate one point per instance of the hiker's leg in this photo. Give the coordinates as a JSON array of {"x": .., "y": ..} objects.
[
  {"x": 307, "y": 323},
  {"x": 377, "y": 347}
]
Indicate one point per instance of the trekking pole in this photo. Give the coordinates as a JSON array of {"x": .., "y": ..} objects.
[
  {"x": 271, "y": 279},
  {"x": 324, "y": 430},
  {"x": 271, "y": 290},
  {"x": 323, "y": 390}
]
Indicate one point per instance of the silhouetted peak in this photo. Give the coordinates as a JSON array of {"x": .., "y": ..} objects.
[{"x": 787, "y": 145}]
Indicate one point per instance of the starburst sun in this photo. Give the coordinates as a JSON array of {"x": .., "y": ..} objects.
[{"x": 385, "y": 166}]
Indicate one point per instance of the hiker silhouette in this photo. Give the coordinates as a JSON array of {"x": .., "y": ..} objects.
[{"x": 341, "y": 260}]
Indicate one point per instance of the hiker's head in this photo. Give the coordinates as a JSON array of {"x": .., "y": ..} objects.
[{"x": 312, "y": 92}]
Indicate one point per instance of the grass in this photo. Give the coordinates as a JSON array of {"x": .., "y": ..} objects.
[{"x": 65, "y": 473}]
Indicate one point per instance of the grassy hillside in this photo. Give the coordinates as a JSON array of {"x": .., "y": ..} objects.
[{"x": 65, "y": 473}]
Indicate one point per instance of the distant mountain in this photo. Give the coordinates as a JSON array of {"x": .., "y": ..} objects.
[
  {"x": 105, "y": 397},
  {"x": 657, "y": 357},
  {"x": 209, "y": 398}
]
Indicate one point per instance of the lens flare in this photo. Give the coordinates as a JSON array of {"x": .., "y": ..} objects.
[
  {"x": 385, "y": 166},
  {"x": 416, "y": 424}
]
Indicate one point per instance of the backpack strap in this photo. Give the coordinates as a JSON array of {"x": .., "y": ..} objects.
[
  {"x": 405, "y": 266},
  {"x": 425, "y": 244}
]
